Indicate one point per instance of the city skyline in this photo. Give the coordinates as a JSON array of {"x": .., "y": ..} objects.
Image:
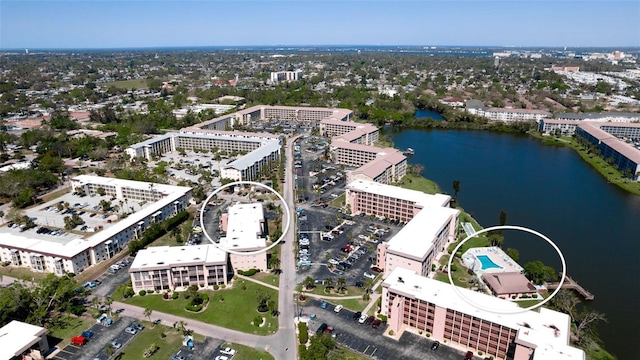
[{"x": 139, "y": 24}]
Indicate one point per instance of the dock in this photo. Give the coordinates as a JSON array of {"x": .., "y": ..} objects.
[{"x": 571, "y": 284}]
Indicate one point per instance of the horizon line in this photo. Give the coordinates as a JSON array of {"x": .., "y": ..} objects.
[{"x": 426, "y": 46}]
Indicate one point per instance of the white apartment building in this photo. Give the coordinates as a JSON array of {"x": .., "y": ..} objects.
[
  {"x": 19, "y": 340},
  {"x": 249, "y": 166},
  {"x": 245, "y": 230},
  {"x": 163, "y": 268},
  {"x": 74, "y": 254},
  {"x": 476, "y": 107},
  {"x": 278, "y": 76}
]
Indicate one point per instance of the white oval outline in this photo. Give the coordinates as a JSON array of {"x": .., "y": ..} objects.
[
  {"x": 284, "y": 231},
  {"x": 508, "y": 227}
]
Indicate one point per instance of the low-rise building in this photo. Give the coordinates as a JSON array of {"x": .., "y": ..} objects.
[
  {"x": 411, "y": 301},
  {"x": 19, "y": 340},
  {"x": 476, "y": 107},
  {"x": 618, "y": 153},
  {"x": 164, "y": 268},
  {"x": 245, "y": 231},
  {"x": 349, "y": 131},
  {"x": 74, "y": 254}
]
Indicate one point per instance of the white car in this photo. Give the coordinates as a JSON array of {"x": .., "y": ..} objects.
[
  {"x": 363, "y": 318},
  {"x": 369, "y": 276},
  {"x": 333, "y": 261},
  {"x": 228, "y": 351},
  {"x": 220, "y": 357},
  {"x": 338, "y": 308}
]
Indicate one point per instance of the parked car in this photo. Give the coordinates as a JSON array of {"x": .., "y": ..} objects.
[
  {"x": 228, "y": 351},
  {"x": 177, "y": 357},
  {"x": 130, "y": 330},
  {"x": 116, "y": 344},
  {"x": 87, "y": 334},
  {"x": 363, "y": 318},
  {"x": 369, "y": 276},
  {"x": 324, "y": 304},
  {"x": 338, "y": 308},
  {"x": 78, "y": 340},
  {"x": 369, "y": 320},
  {"x": 376, "y": 323},
  {"x": 137, "y": 326},
  {"x": 356, "y": 315},
  {"x": 468, "y": 356},
  {"x": 435, "y": 345},
  {"x": 322, "y": 328}
]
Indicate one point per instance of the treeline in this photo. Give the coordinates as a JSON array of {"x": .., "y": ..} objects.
[
  {"x": 156, "y": 230},
  {"x": 41, "y": 302},
  {"x": 21, "y": 186}
]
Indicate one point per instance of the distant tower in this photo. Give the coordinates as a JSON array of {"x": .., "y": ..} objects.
[
  {"x": 26, "y": 51},
  {"x": 496, "y": 62}
]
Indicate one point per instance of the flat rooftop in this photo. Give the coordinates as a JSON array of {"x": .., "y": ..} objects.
[
  {"x": 17, "y": 337},
  {"x": 161, "y": 257},
  {"x": 546, "y": 328},
  {"x": 419, "y": 198},
  {"x": 244, "y": 228},
  {"x": 416, "y": 238},
  {"x": 254, "y": 156}
]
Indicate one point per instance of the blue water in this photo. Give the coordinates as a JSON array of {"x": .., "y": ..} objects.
[
  {"x": 428, "y": 114},
  {"x": 487, "y": 263},
  {"x": 551, "y": 190}
]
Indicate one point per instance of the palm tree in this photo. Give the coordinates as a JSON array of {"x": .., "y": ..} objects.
[
  {"x": 341, "y": 283},
  {"x": 109, "y": 350},
  {"x": 181, "y": 326},
  {"x": 308, "y": 282},
  {"x": 108, "y": 301},
  {"x": 328, "y": 283},
  {"x": 147, "y": 313},
  {"x": 95, "y": 302},
  {"x": 275, "y": 263},
  {"x": 456, "y": 188}
]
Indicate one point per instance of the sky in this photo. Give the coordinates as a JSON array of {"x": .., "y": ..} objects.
[{"x": 125, "y": 24}]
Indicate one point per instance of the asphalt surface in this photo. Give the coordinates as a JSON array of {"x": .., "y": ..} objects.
[{"x": 371, "y": 342}]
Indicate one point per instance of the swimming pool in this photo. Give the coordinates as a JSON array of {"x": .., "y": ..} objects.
[{"x": 487, "y": 263}]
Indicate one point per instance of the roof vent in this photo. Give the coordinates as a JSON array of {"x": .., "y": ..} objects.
[{"x": 400, "y": 280}]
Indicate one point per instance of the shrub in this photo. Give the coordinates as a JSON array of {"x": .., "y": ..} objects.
[
  {"x": 163, "y": 335},
  {"x": 428, "y": 334},
  {"x": 304, "y": 333},
  {"x": 165, "y": 296},
  {"x": 480, "y": 353},
  {"x": 391, "y": 332},
  {"x": 128, "y": 293},
  {"x": 201, "y": 285},
  {"x": 235, "y": 277},
  {"x": 216, "y": 287},
  {"x": 420, "y": 332},
  {"x": 249, "y": 272},
  {"x": 257, "y": 321},
  {"x": 453, "y": 267},
  {"x": 382, "y": 317},
  {"x": 142, "y": 293},
  {"x": 223, "y": 286},
  {"x": 175, "y": 295}
]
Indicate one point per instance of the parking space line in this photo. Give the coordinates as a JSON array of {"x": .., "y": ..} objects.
[
  {"x": 373, "y": 352},
  {"x": 365, "y": 350}
]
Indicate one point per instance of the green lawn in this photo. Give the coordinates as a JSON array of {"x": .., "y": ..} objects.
[
  {"x": 21, "y": 273},
  {"x": 168, "y": 345},
  {"x": 248, "y": 353},
  {"x": 128, "y": 84},
  {"x": 352, "y": 304},
  {"x": 419, "y": 183},
  {"x": 56, "y": 194},
  {"x": 68, "y": 327},
  {"x": 338, "y": 202},
  {"x": 457, "y": 275},
  {"x": 480, "y": 241},
  {"x": 267, "y": 278},
  {"x": 232, "y": 308}
]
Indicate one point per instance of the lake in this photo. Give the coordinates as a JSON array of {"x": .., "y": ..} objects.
[
  {"x": 551, "y": 190},
  {"x": 421, "y": 114}
]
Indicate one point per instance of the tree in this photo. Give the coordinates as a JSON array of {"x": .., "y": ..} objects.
[
  {"x": 513, "y": 253},
  {"x": 108, "y": 301},
  {"x": 109, "y": 350},
  {"x": 1, "y": 217},
  {"x": 341, "y": 283},
  {"x": 496, "y": 238},
  {"x": 274, "y": 262},
  {"x": 308, "y": 282},
  {"x": 539, "y": 273},
  {"x": 147, "y": 313},
  {"x": 328, "y": 283},
  {"x": 95, "y": 302},
  {"x": 263, "y": 299},
  {"x": 456, "y": 188},
  {"x": 503, "y": 218}
]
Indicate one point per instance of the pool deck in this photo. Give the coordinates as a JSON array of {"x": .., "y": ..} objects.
[{"x": 497, "y": 255}]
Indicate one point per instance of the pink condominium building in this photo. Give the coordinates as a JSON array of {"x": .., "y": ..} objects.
[{"x": 417, "y": 303}]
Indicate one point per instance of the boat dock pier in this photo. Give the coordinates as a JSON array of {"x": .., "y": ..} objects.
[{"x": 569, "y": 283}]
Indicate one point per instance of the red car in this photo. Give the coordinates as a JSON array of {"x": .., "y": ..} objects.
[
  {"x": 468, "y": 356},
  {"x": 78, "y": 340},
  {"x": 376, "y": 323}
]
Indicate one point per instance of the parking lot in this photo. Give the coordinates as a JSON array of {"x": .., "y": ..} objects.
[
  {"x": 320, "y": 252},
  {"x": 371, "y": 342},
  {"x": 110, "y": 280},
  {"x": 102, "y": 336}
]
